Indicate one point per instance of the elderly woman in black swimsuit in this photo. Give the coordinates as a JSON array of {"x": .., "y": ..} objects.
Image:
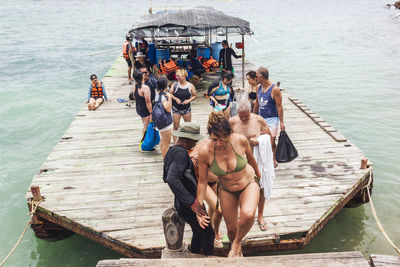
[
  {"x": 143, "y": 99},
  {"x": 229, "y": 157}
]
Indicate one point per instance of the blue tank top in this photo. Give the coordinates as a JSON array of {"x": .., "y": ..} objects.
[{"x": 267, "y": 105}]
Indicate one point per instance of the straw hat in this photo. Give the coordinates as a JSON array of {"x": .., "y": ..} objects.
[{"x": 189, "y": 130}]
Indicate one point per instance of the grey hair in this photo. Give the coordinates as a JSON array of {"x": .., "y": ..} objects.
[
  {"x": 244, "y": 104},
  {"x": 264, "y": 72}
]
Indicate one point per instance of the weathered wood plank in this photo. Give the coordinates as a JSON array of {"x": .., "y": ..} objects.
[
  {"x": 377, "y": 260},
  {"x": 333, "y": 259}
]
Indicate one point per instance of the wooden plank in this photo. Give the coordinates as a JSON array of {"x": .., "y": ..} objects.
[
  {"x": 345, "y": 259},
  {"x": 377, "y": 260}
]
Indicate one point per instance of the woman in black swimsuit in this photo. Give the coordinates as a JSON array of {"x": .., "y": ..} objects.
[
  {"x": 228, "y": 156},
  {"x": 252, "y": 80},
  {"x": 143, "y": 99}
]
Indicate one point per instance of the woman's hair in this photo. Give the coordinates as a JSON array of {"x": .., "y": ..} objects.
[
  {"x": 138, "y": 77},
  {"x": 218, "y": 125},
  {"x": 92, "y": 77},
  {"x": 182, "y": 72},
  {"x": 227, "y": 74},
  {"x": 225, "y": 42},
  {"x": 162, "y": 83},
  {"x": 252, "y": 74}
]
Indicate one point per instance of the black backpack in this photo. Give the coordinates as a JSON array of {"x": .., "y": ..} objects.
[{"x": 160, "y": 117}]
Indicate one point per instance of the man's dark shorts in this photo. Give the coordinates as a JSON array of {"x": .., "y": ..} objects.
[{"x": 128, "y": 60}]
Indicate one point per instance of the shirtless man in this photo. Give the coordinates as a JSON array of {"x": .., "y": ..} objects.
[{"x": 251, "y": 126}]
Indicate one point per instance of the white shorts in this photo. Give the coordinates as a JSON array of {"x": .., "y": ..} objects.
[
  {"x": 165, "y": 128},
  {"x": 273, "y": 125}
]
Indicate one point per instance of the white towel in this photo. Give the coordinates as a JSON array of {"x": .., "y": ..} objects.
[{"x": 265, "y": 161}]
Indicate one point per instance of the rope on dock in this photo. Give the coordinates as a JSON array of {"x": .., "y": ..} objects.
[
  {"x": 376, "y": 216},
  {"x": 32, "y": 212},
  {"x": 104, "y": 52}
]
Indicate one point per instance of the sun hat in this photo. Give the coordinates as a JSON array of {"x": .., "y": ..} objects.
[
  {"x": 189, "y": 130},
  {"x": 140, "y": 54}
]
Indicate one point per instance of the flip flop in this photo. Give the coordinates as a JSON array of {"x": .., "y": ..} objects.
[
  {"x": 276, "y": 165},
  {"x": 263, "y": 227},
  {"x": 120, "y": 100},
  {"x": 218, "y": 243}
]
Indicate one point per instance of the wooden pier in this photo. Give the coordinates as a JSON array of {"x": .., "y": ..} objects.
[
  {"x": 333, "y": 259},
  {"x": 98, "y": 184}
]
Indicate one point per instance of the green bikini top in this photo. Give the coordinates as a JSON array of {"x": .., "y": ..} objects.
[{"x": 241, "y": 163}]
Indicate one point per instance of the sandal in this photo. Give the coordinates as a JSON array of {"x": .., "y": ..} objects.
[
  {"x": 263, "y": 226},
  {"x": 218, "y": 243}
]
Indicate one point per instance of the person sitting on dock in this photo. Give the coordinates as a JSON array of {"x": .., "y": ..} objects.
[
  {"x": 141, "y": 61},
  {"x": 269, "y": 105},
  {"x": 183, "y": 93},
  {"x": 222, "y": 95},
  {"x": 195, "y": 66},
  {"x": 179, "y": 173},
  {"x": 225, "y": 56},
  {"x": 97, "y": 93},
  {"x": 252, "y": 126},
  {"x": 143, "y": 99},
  {"x": 228, "y": 155}
]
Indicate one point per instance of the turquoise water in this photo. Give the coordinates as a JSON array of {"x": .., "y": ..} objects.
[{"x": 340, "y": 57}]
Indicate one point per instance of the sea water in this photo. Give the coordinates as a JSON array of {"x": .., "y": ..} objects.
[{"x": 341, "y": 58}]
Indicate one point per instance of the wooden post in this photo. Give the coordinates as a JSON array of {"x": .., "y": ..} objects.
[
  {"x": 173, "y": 229},
  {"x": 36, "y": 193},
  {"x": 364, "y": 163},
  {"x": 242, "y": 61}
]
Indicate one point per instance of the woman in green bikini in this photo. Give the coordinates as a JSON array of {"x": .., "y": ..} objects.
[{"x": 229, "y": 157}]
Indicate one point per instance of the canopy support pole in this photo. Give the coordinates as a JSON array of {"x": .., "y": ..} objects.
[{"x": 243, "y": 61}]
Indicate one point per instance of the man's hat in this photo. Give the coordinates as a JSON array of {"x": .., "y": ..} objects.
[
  {"x": 140, "y": 54},
  {"x": 189, "y": 130}
]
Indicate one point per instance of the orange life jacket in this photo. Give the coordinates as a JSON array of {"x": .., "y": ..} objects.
[
  {"x": 125, "y": 50},
  {"x": 97, "y": 90},
  {"x": 167, "y": 67},
  {"x": 209, "y": 64}
]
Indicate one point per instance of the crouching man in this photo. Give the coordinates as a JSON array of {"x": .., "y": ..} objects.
[{"x": 180, "y": 176}]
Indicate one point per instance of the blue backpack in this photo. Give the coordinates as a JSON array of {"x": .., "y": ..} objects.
[{"x": 150, "y": 138}]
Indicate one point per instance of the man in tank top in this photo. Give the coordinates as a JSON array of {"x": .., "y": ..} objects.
[{"x": 269, "y": 105}]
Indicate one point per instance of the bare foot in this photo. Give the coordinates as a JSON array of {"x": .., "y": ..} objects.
[
  {"x": 236, "y": 251},
  {"x": 89, "y": 107}
]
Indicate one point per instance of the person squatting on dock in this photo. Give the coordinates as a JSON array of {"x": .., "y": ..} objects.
[
  {"x": 252, "y": 126},
  {"x": 183, "y": 93},
  {"x": 179, "y": 173},
  {"x": 269, "y": 105},
  {"x": 228, "y": 155},
  {"x": 97, "y": 93},
  {"x": 211, "y": 197},
  {"x": 142, "y": 95}
]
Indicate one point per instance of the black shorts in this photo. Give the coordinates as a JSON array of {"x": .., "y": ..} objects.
[{"x": 128, "y": 60}]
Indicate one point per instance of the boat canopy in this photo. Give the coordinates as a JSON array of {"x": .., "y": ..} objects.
[{"x": 198, "y": 21}]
